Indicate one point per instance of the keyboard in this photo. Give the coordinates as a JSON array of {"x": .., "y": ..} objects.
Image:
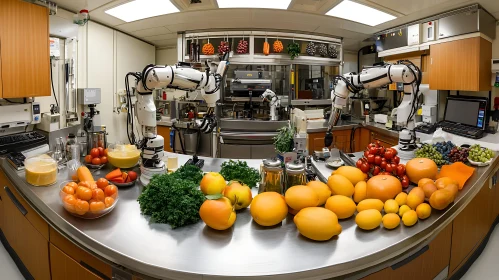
[
  {"x": 462, "y": 130},
  {"x": 426, "y": 128},
  {"x": 21, "y": 141}
]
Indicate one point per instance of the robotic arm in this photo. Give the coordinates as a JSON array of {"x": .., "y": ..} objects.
[
  {"x": 402, "y": 72},
  {"x": 274, "y": 101}
]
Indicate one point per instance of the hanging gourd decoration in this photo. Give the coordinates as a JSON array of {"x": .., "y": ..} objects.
[
  {"x": 293, "y": 50},
  {"x": 242, "y": 46},
  {"x": 311, "y": 48},
  {"x": 224, "y": 47},
  {"x": 277, "y": 46},
  {"x": 208, "y": 48},
  {"x": 266, "y": 47},
  {"x": 333, "y": 51}
]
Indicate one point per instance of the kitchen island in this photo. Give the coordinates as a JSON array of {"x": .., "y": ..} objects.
[{"x": 124, "y": 242}]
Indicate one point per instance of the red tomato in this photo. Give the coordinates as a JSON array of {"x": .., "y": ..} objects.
[
  {"x": 383, "y": 165},
  {"x": 94, "y": 153},
  {"x": 366, "y": 153},
  {"x": 365, "y": 167},
  {"x": 373, "y": 151},
  {"x": 396, "y": 159},
  {"x": 132, "y": 175},
  {"x": 389, "y": 168},
  {"x": 88, "y": 159},
  {"x": 103, "y": 159},
  {"x": 388, "y": 154},
  {"x": 101, "y": 151},
  {"x": 377, "y": 160},
  {"x": 405, "y": 181},
  {"x": 400, "y": 170},
  {"x": 381, "y": 150},
  {"x": 358, "y": 163},
  {"x": 96, "y": 161},
  {"x": 370, "y": 158},
  {"x": 376, "y": 170}
]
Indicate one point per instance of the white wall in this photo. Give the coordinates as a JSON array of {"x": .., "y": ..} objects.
[
  {"x": 166, "y": 56},
  {"x": 350, "y": 60}
]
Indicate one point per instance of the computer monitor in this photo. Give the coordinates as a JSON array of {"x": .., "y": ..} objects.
[{"x": 469, "y": 111}]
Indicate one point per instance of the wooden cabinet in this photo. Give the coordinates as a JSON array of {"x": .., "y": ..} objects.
[
  {"x": 2, "y": 197},
  {"x": 24, "y": 49},
  {"x": 425, "y": 266},
  {"x": 91, "y": 263},
  {"x": 165, "y": 132},
  {"x": 470, "y": 227},
  {"x": 461, "y": 65},
  {"x": 63, "y": 267},
  {"x": 386, "y": 140},
  {"x": 341, "y": 140},
  {"x": 362, "y": 138}
]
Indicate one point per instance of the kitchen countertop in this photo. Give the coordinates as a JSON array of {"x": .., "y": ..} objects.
[{"x": 127, "y": 238}]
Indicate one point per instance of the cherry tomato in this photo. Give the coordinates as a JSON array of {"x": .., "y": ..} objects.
[
  {"x": 385, "y": 173},
  {"x": 371, "y": 145},
  {"x": 378, "y": 143},
  {"x": 405, "y": 181},
  {"x": 103, "y": 159},
  {"x": 389, "y": 168},
  {"x": 88, "y": 159},
  {"x": 400, "y": 170},
  {"x": 388, "y": 154},
  {"x": 383, "y": 165},
  {"x": 96, "y": 161},
  {"x": 366, "y": 153},
  {"x": 370, "y": 158},
  {"x": 358, "y": 163},
  {"x": 95, "y": 153},
  {"x": 396, "y": 159},
  {"x": 394, "y": 151},
  {"x": 377, "y": 160},
  {"x": 376, "y": 170},
  {"x": 364, "y": 167},
  {"x": 381, "y": 150},
  {"x": 373, "y": 151},
  {"x": 101, "y": 151}
]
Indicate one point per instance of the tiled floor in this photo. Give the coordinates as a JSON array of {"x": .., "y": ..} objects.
[
  {"x": 485, "y": 267},
  {"x": 8, "y": 269}
]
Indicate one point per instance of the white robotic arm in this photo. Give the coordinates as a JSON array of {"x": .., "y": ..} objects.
[
  {"x": 274, "y": 101},
  {"x": 403, "y": 72}
]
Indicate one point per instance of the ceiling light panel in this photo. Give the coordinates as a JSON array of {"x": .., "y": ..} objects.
[
  {"x": 359, "y": 13},
  {"x": 140, "y": 9},
  {"x": 265, "y": 4}
]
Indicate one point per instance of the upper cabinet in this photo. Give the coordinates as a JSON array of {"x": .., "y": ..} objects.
[
  {"x": 461, "y": 65},
  {"x": 24, "y": 50}
]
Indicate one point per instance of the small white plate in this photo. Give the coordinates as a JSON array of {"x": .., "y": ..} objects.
[
  {"x": 477, "y": 163},
  {"x": 335, "y": 163}
]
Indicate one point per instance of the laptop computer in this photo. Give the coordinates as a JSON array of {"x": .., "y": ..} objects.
[{"x": 465, "y": 116}]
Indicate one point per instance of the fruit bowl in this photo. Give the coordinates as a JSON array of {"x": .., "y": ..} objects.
[
  {"x": 478, "y": 163},
  {"x": 83, "y": 208},
  {"x": 123, "y": 156}
]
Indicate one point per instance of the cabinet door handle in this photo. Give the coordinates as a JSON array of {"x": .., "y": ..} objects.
[
  {"x": 16, "y": 202},
  {"x": 410, "y": 258}
]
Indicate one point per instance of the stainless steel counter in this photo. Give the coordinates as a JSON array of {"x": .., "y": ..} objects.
[{"x": 126, "y": 238}]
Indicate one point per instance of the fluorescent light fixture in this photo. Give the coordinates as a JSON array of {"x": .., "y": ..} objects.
[
  {"x": 140, "y": 9},
  {"x": 266, "y": 4},
  {"x": 360, "y": 13}
]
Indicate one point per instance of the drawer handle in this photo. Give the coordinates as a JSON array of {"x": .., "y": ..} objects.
[
  {"x": 410, "y": 258},
  {"x": 94, "y": 271},
  {"x": 16, "y": 202}
]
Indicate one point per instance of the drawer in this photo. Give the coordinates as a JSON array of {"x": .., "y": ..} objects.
[
  {"x": 89, "y": 261},
  {"x": 64, "y": 267},
  {"x": 33, "y": 217},
  {"x": 1, "y": 207},
  {"x": 29, "y": 244},
  {"x": 387, "y": 141}
]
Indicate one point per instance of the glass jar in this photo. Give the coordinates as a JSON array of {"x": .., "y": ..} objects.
[
  {"x": 40, "y": 170},
  {"x": 71, "y": 141},
  {"x": 272, "y": 176},
  {"x": 295, "y": 174}
]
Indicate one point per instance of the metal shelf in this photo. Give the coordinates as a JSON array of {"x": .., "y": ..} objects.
[{"x": 310, "y": 102}]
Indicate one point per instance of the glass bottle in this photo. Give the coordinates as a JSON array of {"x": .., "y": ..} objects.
[
  {"x": 272, "y": 176},
  {"x": 71, "y": 141},
  {"x": 295, "y": 174}
]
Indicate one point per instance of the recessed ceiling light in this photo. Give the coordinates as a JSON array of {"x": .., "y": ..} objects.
[
  {"x": 140, "y": 9},
  {"x": 266, "y": 4},
  {"x": 360, "y": 13}
]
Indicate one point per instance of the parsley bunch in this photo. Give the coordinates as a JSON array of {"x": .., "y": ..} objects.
[{"x": 240, "y": 171}]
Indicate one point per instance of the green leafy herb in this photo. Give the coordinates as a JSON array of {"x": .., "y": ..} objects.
[
  {"x": 293, "y": 50},
  {"x": 172, "y": 200},
  {"x": 189, "y": 172},
  {"x": 283, "y": 142},
  {"x": 240, "y": 171}
]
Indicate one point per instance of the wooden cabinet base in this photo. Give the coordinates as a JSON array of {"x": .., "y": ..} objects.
[
  {"x": 63, "y": 267},
  {"x": 165, "y": 132},
  {"x": 425, "y": 266}
]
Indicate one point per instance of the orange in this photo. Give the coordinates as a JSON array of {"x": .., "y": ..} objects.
[
  {"x": 97, "y": 206},
  {"x": 212, "y": 183},
  {"x": 428, "y": 189},
  {"x": 102, "y": 183},
  {"x": 419, "y": 168},
  {"x": 353, "y": 174},
  {"x": 218, "y": 214},
  {"x": 268, "y": 208},
  {"x": 444, "y": 181},
  {"x": 93, "y": 185},
  {"x": 98, "y": 194},
  {"x": 415, "y": 197},
  {"x": 111, "y": 190},
  {"x": 85, "y": 184},
  {"x": 72, "y": 184},
  {"x": 109, "y": 201},
  {"x": 423, "y": 182},
  {"x": 69, "y": 203},
  {"x": 68, "y": 189},
  {"x": 339, "y": 184},
  {"x": 342, "y": 206},
  {"x": 299, "y": 197},
  {"x": 83, "y": 193},
  {"x": 81, "y": 207},
  {"x": 317, "y": 223}
]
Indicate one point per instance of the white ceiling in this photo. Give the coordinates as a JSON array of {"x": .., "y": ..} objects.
[{"x": 302, "y": 15}]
